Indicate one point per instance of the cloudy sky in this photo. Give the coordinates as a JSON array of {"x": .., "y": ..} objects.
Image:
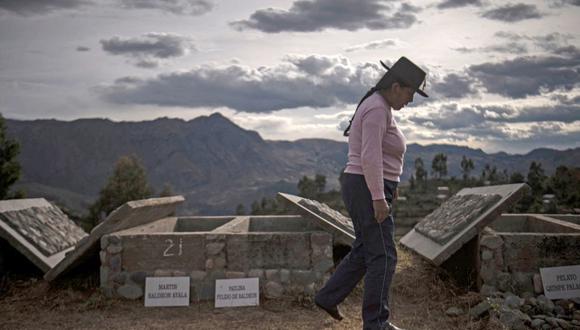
[{"x": 502, "y": 76}]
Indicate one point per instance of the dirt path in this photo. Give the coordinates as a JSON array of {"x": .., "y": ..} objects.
[{"x": 419, "y": 301}]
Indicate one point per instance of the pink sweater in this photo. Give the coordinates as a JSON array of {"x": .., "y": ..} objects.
[{"x": 376, "y": 146}]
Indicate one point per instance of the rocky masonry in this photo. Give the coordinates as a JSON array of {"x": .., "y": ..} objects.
[
  {"x": 514, "y": 248},
  {"x": 454, "y": 215},
  {"x": 526, "y": 311},
  {"x": 287, "y": 262},
  {"x": 47, "y": 228}
]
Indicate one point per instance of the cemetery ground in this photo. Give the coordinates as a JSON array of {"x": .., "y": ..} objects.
[{"x": 421, "y": 295}]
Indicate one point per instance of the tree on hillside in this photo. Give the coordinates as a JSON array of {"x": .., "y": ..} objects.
[
  {"x": 240, "y": 209},
  {"x": 320, "y": 183},
  {"x": 565, "y": 183},
  {"x": 439, "y": 165},
  {"x": 167, "y": 191},
  {"x": 412, "y": 182},
  {"x": 9, "y": 166},
  {"x": 536, "y": 178},
  {"x": 516, "y": 177},
  {"x": 128, "y": 182},
  {"x": 420, "y": 173},
  {"x": 311, "y": 188},
  {"x": 466, "y": 167},
  {"x": 490, "y": 174}
]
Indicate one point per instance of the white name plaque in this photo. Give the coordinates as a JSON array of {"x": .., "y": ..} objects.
[
  {"x": 561, "y": 282},
  {"x": 166, "y": 291},
  {"x": 237, "y": 292}
]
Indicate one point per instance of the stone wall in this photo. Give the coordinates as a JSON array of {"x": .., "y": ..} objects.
[
  {"x": 511, "y": 262},
  {"x": 287, "y": 263}
]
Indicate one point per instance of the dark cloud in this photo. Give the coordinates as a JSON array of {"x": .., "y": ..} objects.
[
  {"x": 529, "y": 75},
  {"x": 564, "y": 113},
  {"x": 452, "y": 86},
  {"x": 552, "y": 41},
  {"x": 494, "y": 125},
  {"x": 458, "y": 3},
  {"x": 147, "y": 64},
  {"x": 565, "y": 99},
  {"x": 83, "y": 49},
  {"x": 507, "y": 48},
  {"x": 567, "y": 51},
  {"x": 148, "y": 49},
  {"x": 510, "y": 35},
  {"x": 178, "y": 7},
  {"x": 159, "y": 45},
  {"x": 308, "y": 81},
  {"x": 373, "y": 45},
  {"x": 38, "y": 7},
  {"x": 449, "y": 116},
  {"x": 317, "y": 15},
  {"x": 452, "y": 117},
  {"x": 513, "y": 13},
  {"x": 555, "y": 42},
  {"x": 560, "y": 3}
]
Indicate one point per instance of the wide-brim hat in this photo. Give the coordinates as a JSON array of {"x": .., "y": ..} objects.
[{"x": 409, "y": 73}]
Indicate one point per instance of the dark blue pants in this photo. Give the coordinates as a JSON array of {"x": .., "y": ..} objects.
[{"x": 373, "y": 254}]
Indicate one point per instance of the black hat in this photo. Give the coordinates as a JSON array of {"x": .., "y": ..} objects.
[{"x": 409, "y": 73}]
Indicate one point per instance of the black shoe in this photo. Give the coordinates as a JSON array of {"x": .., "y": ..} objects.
[
  {"x": 390, "y": 326},
  {"x": 332, "y": 311}
]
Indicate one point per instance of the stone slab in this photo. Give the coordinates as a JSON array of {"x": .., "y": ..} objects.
[
  {"x": 128, "y": 215},
  {"x": 465, "y": 226},
  {"x": 326, "y": 218},
  {"x": 38, "y": 230},
  {"x": 454, "y": 215}
]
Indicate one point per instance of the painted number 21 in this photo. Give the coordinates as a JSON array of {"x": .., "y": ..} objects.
[{"x": 170, "y": 251}]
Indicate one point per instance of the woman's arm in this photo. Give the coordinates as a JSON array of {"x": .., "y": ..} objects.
[{"x": 374, "y": 124}]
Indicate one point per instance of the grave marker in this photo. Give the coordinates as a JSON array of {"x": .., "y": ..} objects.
[
  {"x": 237, "y": 292},
  {"x": 561, "y": 282},
  {"x": 325, "y": 217},
  {"x": 167, "y": 291},
  {"x": 443, "y": 232},
  {"x": 38, "y": 230},
  {"x": 128, "y": 215}
]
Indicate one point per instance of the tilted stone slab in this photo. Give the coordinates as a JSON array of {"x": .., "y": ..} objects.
[
  {"x": 462, "y": 217},
  {"x": 451, "y": 217},
  {"x": 128, "y": 215},
  {"x": 38, "y": 230},
  {"x": 325, "y": 217}
]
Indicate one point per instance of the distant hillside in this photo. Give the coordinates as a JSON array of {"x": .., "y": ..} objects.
[{"x": 213, "y": 162}]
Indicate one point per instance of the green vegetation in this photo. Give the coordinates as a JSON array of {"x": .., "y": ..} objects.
[
  {"x": 466, "y": 167},
  {"x": 9, "y": 166},
  {"x": 439, "y": 165},
  {"x": 422, "y": 195},
  {"x": 128, "y": 182},
  {"x": 309, "y": 188}
]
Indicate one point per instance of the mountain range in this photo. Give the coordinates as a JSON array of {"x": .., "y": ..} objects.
[{"x": 210, "y": 160}]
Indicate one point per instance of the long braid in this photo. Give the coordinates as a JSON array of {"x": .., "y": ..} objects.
[{"x": 369, "y": 93}]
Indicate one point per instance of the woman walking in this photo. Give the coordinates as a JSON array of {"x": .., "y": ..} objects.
[{"x": 376, "y": 148}]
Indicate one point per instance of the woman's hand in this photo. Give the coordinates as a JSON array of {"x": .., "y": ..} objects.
[{"x": 381, "y": 209}]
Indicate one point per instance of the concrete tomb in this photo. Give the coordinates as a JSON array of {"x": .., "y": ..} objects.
[
  {"x": 38, "y": 230},
  {"x": 289, "y": 254},
  {"x": 515, "y": 246},
  {"x": 128, "y": 215},
  {"x": 459, "y": 220}
]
